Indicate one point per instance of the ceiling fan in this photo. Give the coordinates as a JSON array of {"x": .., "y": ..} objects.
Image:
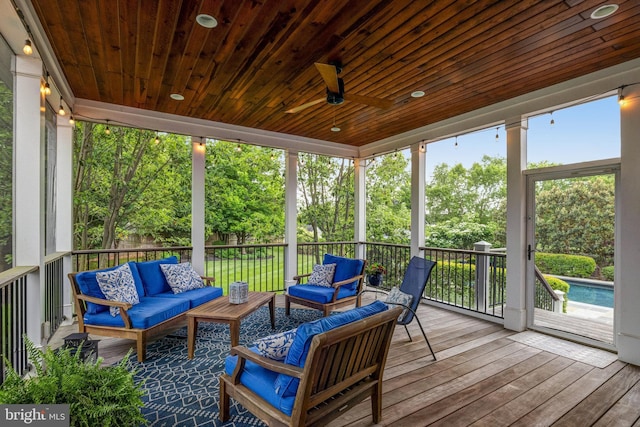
[{"x": 335, "y": 90}]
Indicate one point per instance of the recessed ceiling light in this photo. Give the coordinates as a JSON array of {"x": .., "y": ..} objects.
[
  {"x": 604, "y": 11},
  {"x": 335, "y": 129},
  {"x": 417, "y": 94},
  {"x": 206, "y": 21},
  {"x": 177, "y": 97}
]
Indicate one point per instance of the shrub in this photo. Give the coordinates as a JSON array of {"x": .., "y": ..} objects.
[
  {"x": 97, "y": 396},
  {"x": 607, "y": 273},
  {"x": 559, "y": 285},
  {"x": 566, "y": 265}
]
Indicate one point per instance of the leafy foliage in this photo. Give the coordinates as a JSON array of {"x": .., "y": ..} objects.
[
  {"x": 607, "y": 273},
  {"x": 559, "y": 285},
  {"x": 6, "y": 176},
  {"x": 388, "y": 183},
  {"x": 126, "y": 184},
  {"x": 565, "y": 265},
  {"x": 105, "y": 396},
  {"x": 467, "y": 205},
  {"x": 244, "y": 192},
  {"x": 576, "y": 216},
  {"x": 375, "y": 268},
  {"x": 461, "y": 235},
  {"x": 326, "y": 194}
]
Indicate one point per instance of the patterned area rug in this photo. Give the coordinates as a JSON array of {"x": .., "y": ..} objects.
[
  {"x": 183, "y": 392},
  {"x": 581, "y": 353}
]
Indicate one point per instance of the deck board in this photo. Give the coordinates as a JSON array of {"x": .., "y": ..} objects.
[{"x": 482, "y": 378}]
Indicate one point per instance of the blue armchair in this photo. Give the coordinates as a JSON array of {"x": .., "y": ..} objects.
[{"x": 344, "y": 289}]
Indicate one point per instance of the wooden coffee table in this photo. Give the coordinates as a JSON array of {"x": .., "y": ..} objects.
[{"x": 220, "y": 310}]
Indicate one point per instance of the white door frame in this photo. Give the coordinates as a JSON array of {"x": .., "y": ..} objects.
[{"x": 576, "y": 170}]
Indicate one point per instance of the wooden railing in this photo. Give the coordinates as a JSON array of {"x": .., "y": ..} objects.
[{"x": 13, "y": 318}]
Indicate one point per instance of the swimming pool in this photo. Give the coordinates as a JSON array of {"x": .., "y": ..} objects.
[{"x": 589, "y": 293}]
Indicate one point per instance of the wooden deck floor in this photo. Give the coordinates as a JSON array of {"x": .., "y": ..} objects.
[{"x": 484, "y": 378}]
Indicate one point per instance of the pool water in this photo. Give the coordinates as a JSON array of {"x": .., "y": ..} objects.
[{"x": 590, "y": 294}]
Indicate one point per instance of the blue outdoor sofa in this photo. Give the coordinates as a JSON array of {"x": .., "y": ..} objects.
[{"x": 158, "y": 310}]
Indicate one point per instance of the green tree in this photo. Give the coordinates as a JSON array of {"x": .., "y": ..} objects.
[
  {"x": 389, "y": 200},
  {"x": 466, "y": 204},
  {"x": 125, "y": 183},
  {"x": 326, "y": 196},
  {"x": 576, "y": 216},
  {"x": 244, "y": 192}
]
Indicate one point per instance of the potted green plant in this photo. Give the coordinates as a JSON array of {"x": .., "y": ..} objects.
[
  {"x": 375, "y": 272},
  {"x": 104, "y": 396}
]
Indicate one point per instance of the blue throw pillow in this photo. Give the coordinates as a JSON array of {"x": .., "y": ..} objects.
[
  {"x": 88, "y": 284},
  {"x": 322, "y": 275},
  {"x": 118, "y": 285},
  {"x": 397, "y": 297},
  {"x": 181, "y": 277},
  {"x": 276, "y": 346},
  {"x": 346, "y": 268},
  {"x": 152, "y": 277}
]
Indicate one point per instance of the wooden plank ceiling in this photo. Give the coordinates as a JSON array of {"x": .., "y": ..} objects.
[{"x": 259, "y": 61}]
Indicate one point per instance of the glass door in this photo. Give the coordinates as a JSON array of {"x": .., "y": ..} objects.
[{"x": 570, "y": 251}]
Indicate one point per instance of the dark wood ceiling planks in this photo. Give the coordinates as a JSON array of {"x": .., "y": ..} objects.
[{"x": 259, "y": 61}]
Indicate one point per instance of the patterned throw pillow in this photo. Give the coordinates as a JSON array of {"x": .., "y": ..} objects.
[
  {"x": 181, "y": 277},
  {"x": 118, "y": 285},
  {"x": 276, "y": 346},
  {"x": 322, "y": 275},
  {"x": 398, "y": 297}
]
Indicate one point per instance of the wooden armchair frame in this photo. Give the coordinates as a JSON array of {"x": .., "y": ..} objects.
[
  {"x": 128, "y": 331},
  {"x": 326, "y": 308},
  {"x": 344, "y": 366}
]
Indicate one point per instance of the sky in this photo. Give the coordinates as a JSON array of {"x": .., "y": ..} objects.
[{"x": 585, "y": 132}]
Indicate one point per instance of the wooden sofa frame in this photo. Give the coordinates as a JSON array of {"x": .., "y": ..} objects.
[
  {"x": 128, "y": 332},
  {"x": 328, "y": 307},
  {"x": 344, "y": 366}
]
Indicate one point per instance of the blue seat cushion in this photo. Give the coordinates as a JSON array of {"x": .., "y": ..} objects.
[
  {"x": 88, "y": 284},
  {"x": 152, "y": 276},
  {"x": 286, "y": 385},
  {"x": 346, "y": 268},
  {"x": 320, "y": 294},
  {"x": 147, "y": 313},
  {"x": 260, "y": 381},
  {"x": 195, "y": 297}
]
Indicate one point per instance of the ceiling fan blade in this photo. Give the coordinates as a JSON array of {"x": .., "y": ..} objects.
[
  {"x": 307, "y": 105},
  {"x": 329, "y": 75},
  {"x": 367, "y": 100}
]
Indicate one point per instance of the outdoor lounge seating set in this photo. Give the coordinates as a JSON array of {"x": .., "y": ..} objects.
[
  {"x": 161, "y": 303},
  {"x": 311, "y": 375},
  {"x": 305, "y": 376}
]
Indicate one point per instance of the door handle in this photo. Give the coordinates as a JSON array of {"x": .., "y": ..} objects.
[{"x": 529, "y": 251}]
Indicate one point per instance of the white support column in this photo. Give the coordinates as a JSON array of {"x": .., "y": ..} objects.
[
  {"x": 360, "y": 207},
  {"x": 29, "y": 202},
  {"x": 418, "y": 183},
  {"x": 627, "y": 251},
  {"x": 515, "y": 313},
  {"x": 64, "y": 206},
  {"x": 291, "y": 214},
  {"x": 198, "y": 152}
]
